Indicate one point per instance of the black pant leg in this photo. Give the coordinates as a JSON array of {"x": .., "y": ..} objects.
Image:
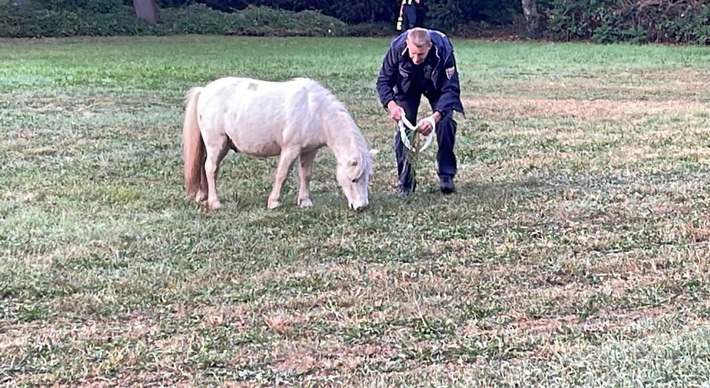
[{"x": 446, "y": 138}]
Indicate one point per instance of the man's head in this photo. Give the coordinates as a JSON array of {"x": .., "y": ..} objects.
[{"x": 418, "y": 44}]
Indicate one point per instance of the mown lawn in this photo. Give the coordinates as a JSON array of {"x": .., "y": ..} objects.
[{"x": 574, "y": 253}]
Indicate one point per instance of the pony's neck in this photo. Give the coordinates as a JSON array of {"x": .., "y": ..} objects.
[{"x": 340, "y": 136}]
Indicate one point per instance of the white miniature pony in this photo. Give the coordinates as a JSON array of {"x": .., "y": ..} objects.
[{"x": 261, "y": 118}]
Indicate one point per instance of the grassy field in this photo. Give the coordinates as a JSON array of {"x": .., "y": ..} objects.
[{"x": 576, "y": 251}]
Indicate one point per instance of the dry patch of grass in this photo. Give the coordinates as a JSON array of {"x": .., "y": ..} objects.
[{"x": 633, "y": 111}]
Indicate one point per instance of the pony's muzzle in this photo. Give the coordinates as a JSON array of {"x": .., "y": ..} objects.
[{"x": 359, "y": 207}]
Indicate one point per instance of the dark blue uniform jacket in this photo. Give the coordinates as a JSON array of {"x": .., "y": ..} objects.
[{"x": 437, "y": 78}]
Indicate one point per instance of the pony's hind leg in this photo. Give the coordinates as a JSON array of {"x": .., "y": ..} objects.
[
  {"x": 201, "y": 195},
  {"x": 305, "y": 171},
  {"x": 288, "y": 155},
  {"x": 216, "y": 149}
]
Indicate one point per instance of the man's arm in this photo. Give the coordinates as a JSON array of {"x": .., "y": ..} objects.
[
  {"x": 388, "y": 77},
  {"x": 450, "y": 98}
]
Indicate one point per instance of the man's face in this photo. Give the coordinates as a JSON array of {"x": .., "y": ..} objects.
[{"x": 418, "y": 54}]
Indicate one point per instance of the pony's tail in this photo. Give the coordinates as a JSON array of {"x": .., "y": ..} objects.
[{"x": 193, "y": 145}]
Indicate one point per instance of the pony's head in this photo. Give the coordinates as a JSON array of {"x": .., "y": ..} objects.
[
  {"x": 353, "y": 176},
  {"x": 344, "y": 138}
]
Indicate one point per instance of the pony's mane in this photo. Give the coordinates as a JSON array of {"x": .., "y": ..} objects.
[{"x": 333, "y": 104}]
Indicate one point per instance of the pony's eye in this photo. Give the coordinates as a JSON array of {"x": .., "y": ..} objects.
[{"x": 354, "y": 180}]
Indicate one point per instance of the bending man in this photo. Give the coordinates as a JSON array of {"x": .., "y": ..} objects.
[{"x": 421, "y": 62}]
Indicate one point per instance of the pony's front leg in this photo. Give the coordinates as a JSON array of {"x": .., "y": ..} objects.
[
  {"x": 216, "y": 149},
  {"x": 288, "y": 155},
  {"x": 305, "y": 171}
]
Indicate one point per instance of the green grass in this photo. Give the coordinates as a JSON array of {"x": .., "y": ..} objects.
[{"x": 574, "y": 253}]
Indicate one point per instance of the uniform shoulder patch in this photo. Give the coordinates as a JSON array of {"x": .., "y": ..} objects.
[{"x": 450, "y": 71}]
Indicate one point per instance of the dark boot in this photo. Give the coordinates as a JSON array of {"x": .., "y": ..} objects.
[{"x": 446, "y": 184}]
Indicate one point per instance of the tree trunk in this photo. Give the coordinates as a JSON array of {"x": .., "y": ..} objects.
[
  {"x": 145, "y": 10},
  {"x": 532, "y": 17}
]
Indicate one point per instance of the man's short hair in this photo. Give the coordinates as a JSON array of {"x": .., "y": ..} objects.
[{"x": 419, "y": 37}]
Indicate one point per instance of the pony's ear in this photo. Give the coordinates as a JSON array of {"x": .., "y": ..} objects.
[{"x": 354, "y": 168}]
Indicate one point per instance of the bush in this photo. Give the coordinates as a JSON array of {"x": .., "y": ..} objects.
[
  {"x": 90, "y": 6},
  {"x": 49, "y": 19},
  {"x": 37, "y": 22},
  {"x": 269, "y": 21},
  {"x": 195, "y": 19},
  {"x": 691, "y": 26},
  {"x": 607, "y": 21}
]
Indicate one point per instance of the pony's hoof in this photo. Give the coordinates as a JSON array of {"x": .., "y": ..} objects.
[
  {"x": 304, "y": 203},
  {"x": 215, "y": 205},
  {"x": 200, "y": 197},
  {"x": 273, "y": 204}
]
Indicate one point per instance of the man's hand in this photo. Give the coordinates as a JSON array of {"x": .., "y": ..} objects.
[
  {"x": 425, "y": 125},
  {"x": 395, "y": 110}
]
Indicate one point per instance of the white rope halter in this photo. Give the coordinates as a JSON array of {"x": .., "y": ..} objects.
[{"x": 403, "y": 134}]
